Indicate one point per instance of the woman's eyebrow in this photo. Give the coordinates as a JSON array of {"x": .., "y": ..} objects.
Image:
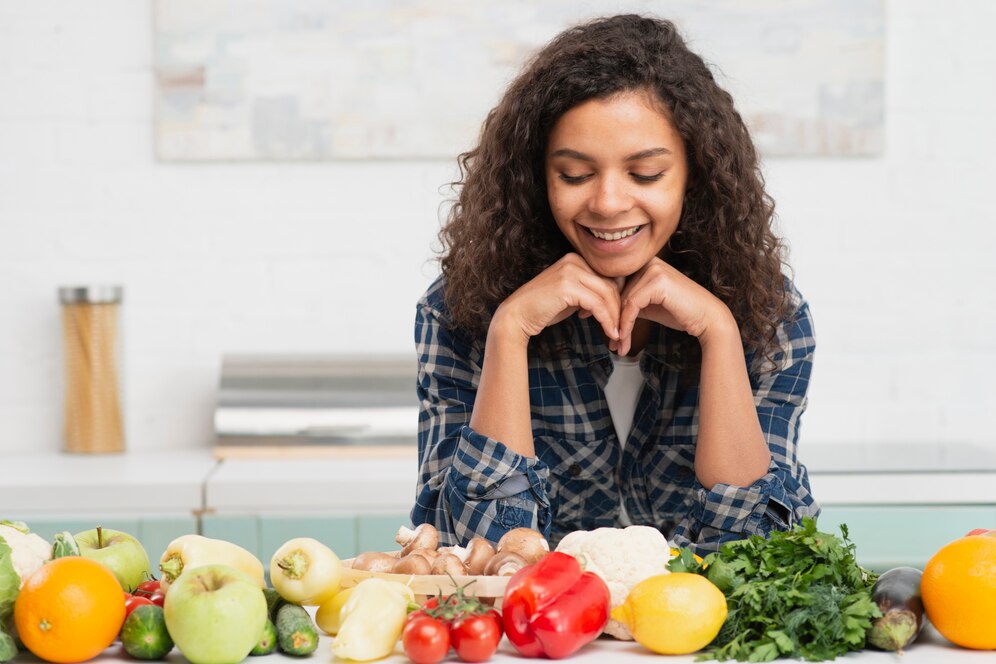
[{"x": 636, "y": 156}]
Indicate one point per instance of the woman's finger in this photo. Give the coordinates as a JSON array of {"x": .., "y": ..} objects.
[{"x": 608, "y": 317}]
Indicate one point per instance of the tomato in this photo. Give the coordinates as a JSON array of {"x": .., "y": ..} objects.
[
  {"x": 134, "y": 602},
  {"x": 146, "y": 588},
  {"x": 158, "y": 598},
  {"x": 475, "y": 637},
  {"x": 426, "y": 639}
]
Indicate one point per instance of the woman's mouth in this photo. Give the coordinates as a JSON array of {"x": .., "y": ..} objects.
[{"x": 615, "y": 235}]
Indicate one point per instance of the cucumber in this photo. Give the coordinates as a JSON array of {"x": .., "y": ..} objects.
[
  {"x": 296, "y": 632},
  {"x": 273, "y": 602},
  {"x": 144, "y": 634},
  {"x": 64, "y": 544},
  {"x": 267, "y": 642},
  {"x": 897, "y": 593}
]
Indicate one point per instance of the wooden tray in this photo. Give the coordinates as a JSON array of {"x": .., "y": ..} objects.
[{"x": 489, "y": 588}]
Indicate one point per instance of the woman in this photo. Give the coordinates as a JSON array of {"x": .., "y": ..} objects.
[{"x": 612, "y": 340}]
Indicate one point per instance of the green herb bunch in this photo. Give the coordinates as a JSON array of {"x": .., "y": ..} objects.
[{"x": 799, "y": 594}]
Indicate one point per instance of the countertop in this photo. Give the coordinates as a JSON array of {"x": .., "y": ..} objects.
[
  {"x": 930, "y": 648},
  {"x": 186, "y": 481}
]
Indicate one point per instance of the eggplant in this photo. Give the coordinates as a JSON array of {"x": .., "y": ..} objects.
[{"x": 897, "y": 594}]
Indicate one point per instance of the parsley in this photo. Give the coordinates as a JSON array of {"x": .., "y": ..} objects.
[{"x": 798, "y": 594}]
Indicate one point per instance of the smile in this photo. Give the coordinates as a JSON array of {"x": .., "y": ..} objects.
[{"x": 617, "y": 235}]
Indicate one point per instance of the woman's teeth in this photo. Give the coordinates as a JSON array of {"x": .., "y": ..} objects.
[{"x": 614, "y": 236}]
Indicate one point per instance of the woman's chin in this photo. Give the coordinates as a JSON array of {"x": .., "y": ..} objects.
[{"x": 616, "y": 269}]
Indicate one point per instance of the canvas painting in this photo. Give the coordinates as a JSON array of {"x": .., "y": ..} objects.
[{"x": 318, "y": 80}]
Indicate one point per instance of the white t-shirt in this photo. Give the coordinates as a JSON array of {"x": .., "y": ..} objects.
[{"x": 622, "y": 393}]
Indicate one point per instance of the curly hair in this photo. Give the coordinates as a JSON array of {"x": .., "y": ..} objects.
[{"x": 500, "y": 232}]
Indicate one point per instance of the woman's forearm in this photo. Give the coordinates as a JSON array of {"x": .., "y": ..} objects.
[
  {"x": 501, "y": 408},
  {"x": 731, "y": 447}
]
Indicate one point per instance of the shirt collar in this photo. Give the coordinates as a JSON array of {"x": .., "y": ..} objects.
[{"x": 591, "y": 348}]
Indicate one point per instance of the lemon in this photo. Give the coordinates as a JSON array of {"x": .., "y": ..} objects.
[{"x": 673, "y": 614}]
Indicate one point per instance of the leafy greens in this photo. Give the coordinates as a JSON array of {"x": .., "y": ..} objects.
[
  {"x": 10, "y": 583},
  {"x": 799, "y": 594}
]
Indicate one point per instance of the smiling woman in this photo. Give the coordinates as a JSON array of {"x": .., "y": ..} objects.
[
  {"x": 612, "y": 339},
  {"x": 616, "y": 174}
]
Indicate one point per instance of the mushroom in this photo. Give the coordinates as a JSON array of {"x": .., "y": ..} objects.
[
  {"x": 413, "y": 563},
  {"x": 449, "y": 563},
  {"x": 423, "y": 537},
  {"x": 528, "y": 543},
  {"x": 506, "y": 563},
  {"x": 374, "y": 561},
  {"x": 479, "y": 552},
  {"x": 428, "y": 554}
]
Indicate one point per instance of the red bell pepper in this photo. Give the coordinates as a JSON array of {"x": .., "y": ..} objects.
[{"x": 553, "y": 607}]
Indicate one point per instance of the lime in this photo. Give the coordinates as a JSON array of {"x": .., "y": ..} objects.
[
  {"x": 673, "y": 614},
  {"x": 144, "y": 634}
]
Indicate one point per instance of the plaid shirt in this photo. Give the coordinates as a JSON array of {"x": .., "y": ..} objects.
[{"x": 470, "y": 484}]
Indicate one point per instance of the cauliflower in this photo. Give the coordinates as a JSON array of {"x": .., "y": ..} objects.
[
  {"x": 622, "y": 557},
  {"x": 21, "y": 553},
  {"x": 28, "y": 551}
]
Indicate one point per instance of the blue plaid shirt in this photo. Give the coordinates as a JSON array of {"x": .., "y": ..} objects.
[{"x": 470, "y": 484}]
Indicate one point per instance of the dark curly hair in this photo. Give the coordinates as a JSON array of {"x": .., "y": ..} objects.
[{"x": 500, "y": 232}]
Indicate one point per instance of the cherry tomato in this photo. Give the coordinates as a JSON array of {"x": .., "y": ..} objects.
[
  {"x": 146, "y": 588},
  {"x": 426, "y": 639},
  {"x": 475, "y": 637},
  {"x": 158, "y": 598},
  {"x": 134, "y": 602}
]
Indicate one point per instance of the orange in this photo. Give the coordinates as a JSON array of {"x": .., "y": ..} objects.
[
  {"x": 69, "y": 610},
  {"x": 959, "y": 592}
]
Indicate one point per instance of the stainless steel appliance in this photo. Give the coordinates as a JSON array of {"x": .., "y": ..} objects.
[{"x": 315, "y": 401}]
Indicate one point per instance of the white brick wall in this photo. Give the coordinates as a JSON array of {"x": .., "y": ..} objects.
[{"x": 893, "y": 252}]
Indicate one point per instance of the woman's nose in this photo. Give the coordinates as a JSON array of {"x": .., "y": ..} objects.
[{"x": 610, "y": 197}]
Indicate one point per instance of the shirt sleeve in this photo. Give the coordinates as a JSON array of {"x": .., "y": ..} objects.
[
  {"x": 781, "y": 498},
  {"x": 469, "y": 484}
]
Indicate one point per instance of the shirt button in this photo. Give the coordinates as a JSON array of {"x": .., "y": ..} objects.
[
  {"x": 574, "y": 470},
  {"x": 684, "y": 472}
]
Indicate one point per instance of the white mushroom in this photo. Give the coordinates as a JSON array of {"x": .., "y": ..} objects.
[
  {"x": 374, "y": 561},
  {"x": 449, "y": 563},
  {"x": 528, "y": 543},
  {"x": 413, "y": 563},
  {"x": 424, "y": 536},
  {"x": 478, "y": 553},
  {"x": 429, "y": 554},
  {"x": 506, "y": 563}
]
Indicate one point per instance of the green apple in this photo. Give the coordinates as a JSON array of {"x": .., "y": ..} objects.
[
  {"x": 117, "y": 551},
  {"x": 215, "y": 614}
]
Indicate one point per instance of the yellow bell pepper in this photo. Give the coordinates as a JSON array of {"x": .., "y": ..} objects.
[
  {"x": 371, "y": 620},
  {"x": 190, "y": 551}
]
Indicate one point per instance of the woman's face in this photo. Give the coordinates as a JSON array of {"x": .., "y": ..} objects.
[{"x": 616, "y": 172}]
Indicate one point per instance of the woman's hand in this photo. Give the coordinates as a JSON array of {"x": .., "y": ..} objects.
[
  {"x": 567, "y": 286},
  {"x": 660, "y": 293}
]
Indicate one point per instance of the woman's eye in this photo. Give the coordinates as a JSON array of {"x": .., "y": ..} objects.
[
  {"x": 573, "y": 179},
  {"x": 648, "y": 178}
]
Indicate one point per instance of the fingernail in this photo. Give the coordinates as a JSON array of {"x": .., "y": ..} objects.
[{"x": 615, "y": 331}]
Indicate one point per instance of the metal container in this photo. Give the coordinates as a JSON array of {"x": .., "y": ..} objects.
[
  {"x": 91, "y": 332},
  {"x": 317, "y": 400}
]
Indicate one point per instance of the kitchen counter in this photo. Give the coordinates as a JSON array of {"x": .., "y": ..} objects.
[
  {"x": 901, "y": 503},
  {"x": 83, "y": 483},
  {"x": 194, "y": 481},
  {"x": 931, "y": 648}
]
